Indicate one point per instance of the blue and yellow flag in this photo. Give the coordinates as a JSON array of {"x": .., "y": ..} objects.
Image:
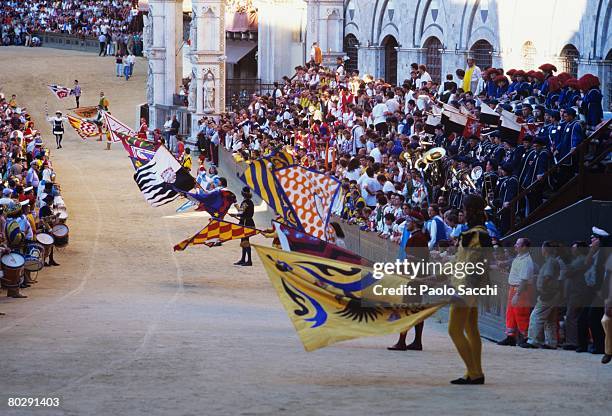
[
  {"x": 330, "y": 301},
  {"x": 259, "y": 177}
]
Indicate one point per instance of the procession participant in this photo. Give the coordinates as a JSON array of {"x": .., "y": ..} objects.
[
  {"x": 76, "y": 91},
  {"x": 47, "y": 220},
  {"x": 57, "y": 124},
  {"x": 417, "y": 250},
  {"x": 508, "y": 189},
  {"x": 463, "y": 312},
  {"x": 143, "y": 129},
  {"x": 246, "y": 211},
  {"x": 103, "y": 103},
  {"x": 571, "y": 136},
  {"x": 591, "y": 105}
]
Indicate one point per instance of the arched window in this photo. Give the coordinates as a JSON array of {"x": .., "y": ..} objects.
[
  {"x": 433, "y": 57},
  {"x": 528, "y": 54},
  {"x": 390, "y": 44},
  {"x": 569, "y": 60},
  {"x": 483, "y": 53},
  {"x": 350, "y": 49}
]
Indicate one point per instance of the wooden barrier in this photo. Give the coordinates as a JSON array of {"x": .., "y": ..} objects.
[{"x": 65, "y": 41}]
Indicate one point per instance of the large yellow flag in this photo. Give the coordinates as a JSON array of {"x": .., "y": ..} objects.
[{"x": 330, "y": 301}]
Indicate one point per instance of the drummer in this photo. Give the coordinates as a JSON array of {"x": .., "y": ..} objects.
[
  {"x": 47, "y": 221},
  {"x": 18, "y": 237},
  {"x": 11, "y": 292}
]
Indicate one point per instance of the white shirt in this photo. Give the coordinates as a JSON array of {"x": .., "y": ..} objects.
[
  {"x": 374, "y": 186},
  {"x": 392, "y": 105},
  {"x": 423, "y": 78},
  {"x": 378, "y": 112},
  {"x": 388, "y": 187},
  {"x": 375, "y": 153},
  {"x": 522, "y": 269}
]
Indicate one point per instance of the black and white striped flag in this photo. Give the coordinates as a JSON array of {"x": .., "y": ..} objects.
[{"x": 161, "y": 179}]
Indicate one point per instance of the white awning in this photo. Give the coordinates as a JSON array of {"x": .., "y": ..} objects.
[{"x": 235, "y": 50}]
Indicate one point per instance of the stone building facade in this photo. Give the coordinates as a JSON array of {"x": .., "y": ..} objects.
[{"x": 383, "y": 37}]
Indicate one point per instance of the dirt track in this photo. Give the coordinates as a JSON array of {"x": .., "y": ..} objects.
[{"x": 126, "y": 327}]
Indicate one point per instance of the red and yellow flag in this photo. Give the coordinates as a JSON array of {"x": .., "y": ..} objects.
[
  {"x": 217, "y": 232},
  {"x": 84, "y": 128}
]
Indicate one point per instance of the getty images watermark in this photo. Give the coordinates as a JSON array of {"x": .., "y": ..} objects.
[{"x": 431, "y": 278}]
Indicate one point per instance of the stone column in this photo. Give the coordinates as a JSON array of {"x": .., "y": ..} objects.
[
  {"x": 280, "y": 38},
  {"x": 163, "y": 36},
  {"x": 208, "y": 59},
  {"x": 326, "y": 26}
]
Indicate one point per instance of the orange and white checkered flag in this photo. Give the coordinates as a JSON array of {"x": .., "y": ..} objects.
[{"x": 217, "y": 232}]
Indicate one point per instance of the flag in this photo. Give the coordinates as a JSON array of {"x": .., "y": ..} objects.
[
  {"x": 217, "y": 232},
  {"x": 262, "y": 181},
  {"x": 472, "y": 128},
  {"x": 329, "y": 301},
  {"x": 136, "y": 147},
  {"x": 509, "y": 115},
  {"x": 510, "y": 130},
  {"x": 86, "y": 112},
  {"x": 301, "y": 242},
  {"x": 311, "y": 194},
  {"x": 401, "y": 255},
  {"x": 186, "y": 206},
  {"x": 216, "y": 202},
  {"x": 280, "y": 159},
  {"x": 137, "y": 163},
  {"x": 115, "y": 126},
  {"x": 489, "y": 116},
  {"x": 162, "y": 178},
  {"x": 84, "y": 128},
  {"x": 454, "y": 122},
  {"x": 59, "y": 91}
]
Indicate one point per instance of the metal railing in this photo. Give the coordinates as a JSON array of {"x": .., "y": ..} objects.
[
  {"x": 239, "y": 91},
  {"x": 183, "y": 115}
]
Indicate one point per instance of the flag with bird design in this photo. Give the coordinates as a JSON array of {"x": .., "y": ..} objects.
[{"x": 329, "y": 301}]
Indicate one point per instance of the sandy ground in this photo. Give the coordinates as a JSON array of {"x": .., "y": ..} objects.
[{"x": 127, "y": 327}]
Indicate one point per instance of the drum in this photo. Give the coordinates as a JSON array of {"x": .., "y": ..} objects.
[
  {"x": 12, "y": 267},
  {"x": 33, "y": 259},
  {"x": 47, "y": 242},
  {"x": 60, "y": 234}
]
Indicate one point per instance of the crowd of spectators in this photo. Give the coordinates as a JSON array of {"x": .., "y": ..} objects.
[
  {"x": 116, "y": 20},
  {"x": 374, "y": 137},
  {"x": 560, "y": 295},
  {"x": 31, "y": 206}
]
